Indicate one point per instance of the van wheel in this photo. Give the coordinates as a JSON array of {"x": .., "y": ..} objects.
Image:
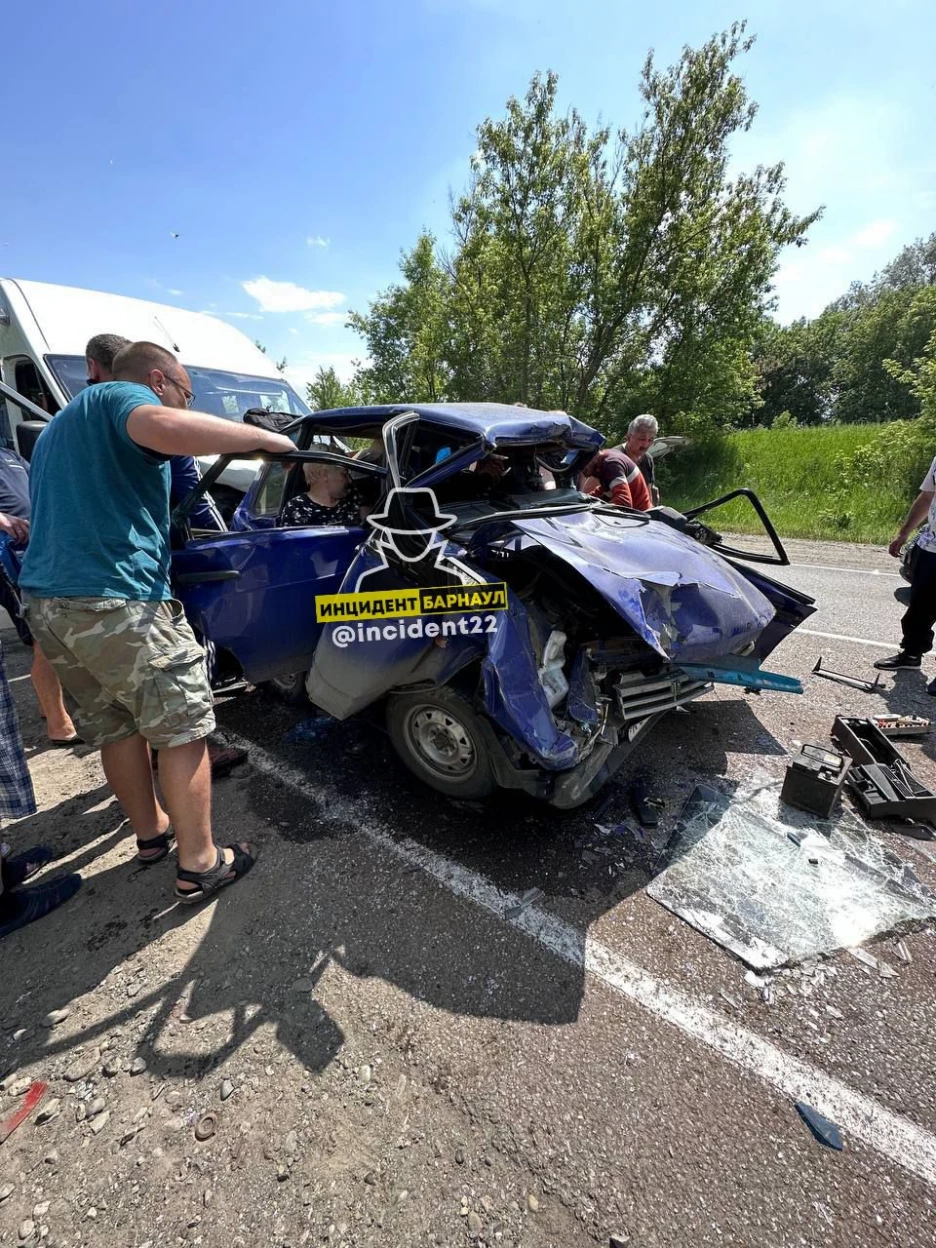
[
  {"x": 438, "y": 736},
  {"x": 289, "y": 688}
]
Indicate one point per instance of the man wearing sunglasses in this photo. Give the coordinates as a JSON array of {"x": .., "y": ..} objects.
[
  {"x": 184, "y": 473},
  {"x": 98, "y": 599},
  {"x": 184, "y": 476}
]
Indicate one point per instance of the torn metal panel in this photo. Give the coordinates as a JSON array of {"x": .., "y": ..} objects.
[
  {"x": 681, "y": 599},
  {"x": 775, "y": 885}
]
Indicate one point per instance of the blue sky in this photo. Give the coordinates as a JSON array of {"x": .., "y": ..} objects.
[{"x": 296, "y": 146}]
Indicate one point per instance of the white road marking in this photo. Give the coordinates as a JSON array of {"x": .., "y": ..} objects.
[
  {"x": 859, "y": 1116},
  {"x": 826, "y": 567},
  {"x": 858, "y": 641}
]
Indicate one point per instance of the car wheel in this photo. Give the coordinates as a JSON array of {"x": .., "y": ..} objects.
[
  {"x": 290, "y": 688},
  {"x": 439, "y": 738}
]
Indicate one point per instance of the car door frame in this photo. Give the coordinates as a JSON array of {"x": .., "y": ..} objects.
[{"x": 266, "y": 618}]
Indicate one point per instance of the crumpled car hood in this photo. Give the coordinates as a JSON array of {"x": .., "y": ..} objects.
[{"x": 685, "y": 601}]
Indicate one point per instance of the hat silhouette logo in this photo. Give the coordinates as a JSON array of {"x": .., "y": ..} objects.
[{"x": 411, "y": 527}]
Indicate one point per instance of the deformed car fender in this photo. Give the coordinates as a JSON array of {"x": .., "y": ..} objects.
[
  {"x": 514, "y": 697},
  {"x": 346, "y": 678},
  {"x": 682, "y": 600}
]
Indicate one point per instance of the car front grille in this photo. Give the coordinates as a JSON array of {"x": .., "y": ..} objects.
[{"x": 638, "y": 696}]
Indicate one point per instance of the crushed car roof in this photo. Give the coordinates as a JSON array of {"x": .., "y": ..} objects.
[{"x": 497, "y": 423}]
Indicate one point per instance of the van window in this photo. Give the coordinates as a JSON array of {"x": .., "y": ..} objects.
[
  {"x": 216, "y": 392},
  {"x": 71, "y": 372},
  {"x": 29, "y": 384}
]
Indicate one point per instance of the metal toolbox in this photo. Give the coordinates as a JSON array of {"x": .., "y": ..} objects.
[{"x": 881, "y": 781}]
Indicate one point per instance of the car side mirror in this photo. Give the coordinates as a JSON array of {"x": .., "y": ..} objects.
[{"x": 26, "y": 434}]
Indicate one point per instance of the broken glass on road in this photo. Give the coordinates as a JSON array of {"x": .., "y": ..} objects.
[{"x": 775, "y": 885}]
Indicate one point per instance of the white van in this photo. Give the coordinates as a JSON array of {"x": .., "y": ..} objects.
[{"x": 43, "y": 332}]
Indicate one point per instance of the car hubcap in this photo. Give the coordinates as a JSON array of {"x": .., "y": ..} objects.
[{"x": 441, "y": 742}]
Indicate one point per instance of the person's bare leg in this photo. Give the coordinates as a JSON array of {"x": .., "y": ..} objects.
[
  {"x": 185, "y": 779},
  {"x": 129, "y": 773},
  {"x": 59, "y": 726}
]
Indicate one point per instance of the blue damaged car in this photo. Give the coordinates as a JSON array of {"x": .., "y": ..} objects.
[{"x": 566, "y": 628}]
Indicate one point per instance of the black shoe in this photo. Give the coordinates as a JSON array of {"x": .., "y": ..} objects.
[
  {"x": 931, "y": 687},
  {"x": 900, "y": 659},
  {"x": 18, "y": 909}
]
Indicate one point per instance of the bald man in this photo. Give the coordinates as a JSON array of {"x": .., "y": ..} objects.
[{"x": 99, "y": 602}]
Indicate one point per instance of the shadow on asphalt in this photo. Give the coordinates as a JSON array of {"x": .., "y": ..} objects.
[{"x": 371, "y": 914}]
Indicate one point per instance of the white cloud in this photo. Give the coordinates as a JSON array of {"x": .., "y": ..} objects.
[
  {"x": 875, "y": 234},
  {"x": 855, "y": 154},
  {"x": 327, "y": 318},
  {"x": 177, "y": 293},
  {"x": 243, "y": 316},
  {"x": 288, "y": 297},
  {"x": 316, "y": 240},
  {"x": 293, "y": 331}
]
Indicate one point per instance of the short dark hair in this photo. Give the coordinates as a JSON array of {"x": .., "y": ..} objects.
[
  {"x": 136, "y": 361},
  {"x": 103, "y": 347}
]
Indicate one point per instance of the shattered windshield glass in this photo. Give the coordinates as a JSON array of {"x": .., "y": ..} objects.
[{"x": 775, "y": 885}]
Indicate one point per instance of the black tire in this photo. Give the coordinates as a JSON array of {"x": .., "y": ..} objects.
[
  {"x": 439, "y": 737},
  {"x": 290, "y": 688}
]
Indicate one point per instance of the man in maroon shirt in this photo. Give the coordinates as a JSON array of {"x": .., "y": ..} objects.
[{"x": 616, "y": 479}]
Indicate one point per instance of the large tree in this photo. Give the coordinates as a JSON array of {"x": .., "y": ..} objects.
[
  {"x": 880, "y": 338},
  {"x": 590, "y": 265},
  {"x": 795, "y": 366},
  {"x": 406, "y": 333}
]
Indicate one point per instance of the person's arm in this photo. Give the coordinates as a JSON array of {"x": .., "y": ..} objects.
[
  {"x": 15, "y": 527},
  {"x": 620, "y": 493},
  {"x": 175, "y": 431},
  {"x": 915, "y": 517},
  {"x": 640, "y": 494}
]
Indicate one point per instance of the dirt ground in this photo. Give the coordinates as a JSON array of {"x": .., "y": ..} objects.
[{"x": 362, "y": 1044}]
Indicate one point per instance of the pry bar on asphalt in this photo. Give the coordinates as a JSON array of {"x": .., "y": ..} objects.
[{"x": 853, "y": 681}]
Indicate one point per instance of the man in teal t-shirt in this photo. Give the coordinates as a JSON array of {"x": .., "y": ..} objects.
[
  {"x": 97, "y": 598},
  {"x": 111, "y": 506}
]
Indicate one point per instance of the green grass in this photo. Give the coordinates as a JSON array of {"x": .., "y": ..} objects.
[{"x": 797, "y": 473}]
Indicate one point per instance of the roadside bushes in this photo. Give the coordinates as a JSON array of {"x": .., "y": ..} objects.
[{"x": 845, "y": 482}]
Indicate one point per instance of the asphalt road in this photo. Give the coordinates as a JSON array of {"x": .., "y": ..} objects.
[
  {"x": 593, "y": 1050},
  {"x": 579, "y": 1028}
]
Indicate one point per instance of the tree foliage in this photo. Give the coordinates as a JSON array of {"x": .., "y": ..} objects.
[
  {"x": 405, "y": 331},
  {"x": 854, "y": 362},
  {"x": 327, "y": 391},
  {"x": 594, "y": 270}
]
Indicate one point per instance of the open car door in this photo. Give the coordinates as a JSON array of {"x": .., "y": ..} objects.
[
  {"x": 791, "y": 606},
  {"x": 252, "y": 592}
]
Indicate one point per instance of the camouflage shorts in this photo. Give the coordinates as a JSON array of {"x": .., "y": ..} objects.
[{"x": 126, "y": 667}]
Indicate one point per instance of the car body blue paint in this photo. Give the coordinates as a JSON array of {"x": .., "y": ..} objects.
[
  {"x": 680, "y": 598},
  {"x": 686, "y": 603}
]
